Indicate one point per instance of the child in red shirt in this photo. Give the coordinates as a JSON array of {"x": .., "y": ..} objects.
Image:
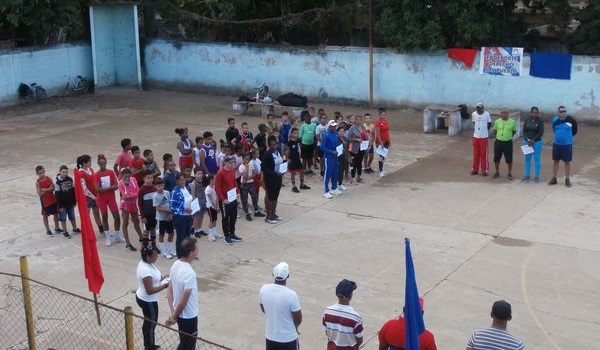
[
  {"x": 137, "y": 165},
  {"x": 45, "y": 189}
]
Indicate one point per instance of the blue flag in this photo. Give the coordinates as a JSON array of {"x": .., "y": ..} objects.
[{"x": 413, "y": 315}]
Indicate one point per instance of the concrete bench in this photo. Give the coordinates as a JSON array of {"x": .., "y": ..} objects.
[
  {"x": 241, "y": 107},
  {"x": 451, "y": 115}
]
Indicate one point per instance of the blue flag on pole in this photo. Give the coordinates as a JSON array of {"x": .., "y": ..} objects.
[{"x": 413, "y": 314}]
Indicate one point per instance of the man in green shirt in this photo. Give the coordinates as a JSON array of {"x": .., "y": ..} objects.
[
  {"x": 307, "y": 142},
  {"x": 504, "y": 129}
]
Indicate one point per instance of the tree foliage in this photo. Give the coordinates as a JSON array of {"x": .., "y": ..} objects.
[
  {"x": 38, "y": 22},
  {"x": 586, "y": 38},
  {"x": 405, "y": 25}
]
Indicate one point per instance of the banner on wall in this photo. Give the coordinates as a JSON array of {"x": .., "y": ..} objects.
[{"x": 501, "y": 61}]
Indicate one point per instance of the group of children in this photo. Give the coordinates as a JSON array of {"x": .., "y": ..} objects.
[{"x": 145, "y": 195}]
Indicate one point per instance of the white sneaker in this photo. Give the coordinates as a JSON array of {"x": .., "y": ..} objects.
[
  {"x": 107, "y": 241},
  {"x": 336, "y": 192},
  {"x": 343, "y": 188},
  {"x": 327, "y": 195},
  {"x": 382, "y": 174},
  {"x": 212, "y": 237},
  {"x": 166, "y": 255},
  {"x": 117, "y": 237}
]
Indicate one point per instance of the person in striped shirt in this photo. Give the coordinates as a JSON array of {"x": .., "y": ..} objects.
[
  {"x": 342, "y": 324},
  {"x": 496, "y": 337}
]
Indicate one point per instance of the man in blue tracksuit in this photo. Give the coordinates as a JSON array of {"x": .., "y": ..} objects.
[
  {"x": 564, "y": 127},
  {"x": 329, "y": 142}
]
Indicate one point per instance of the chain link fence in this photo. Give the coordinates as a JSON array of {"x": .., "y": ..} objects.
[{"x": 63, "y": 320}]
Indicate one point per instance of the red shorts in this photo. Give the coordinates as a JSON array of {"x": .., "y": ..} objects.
[
  {"x": 104, "y": 204},
  {"x": 186, "y": 161}
]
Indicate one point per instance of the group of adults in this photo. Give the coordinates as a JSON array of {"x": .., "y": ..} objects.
[
  {"x": 343, "y": 325},
  {"x": 564, "y": 128}
]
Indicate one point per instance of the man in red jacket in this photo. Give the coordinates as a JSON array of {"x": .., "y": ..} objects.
[
  {"x": 392, "y": 335},
  {"x": 228, "y": 193}
]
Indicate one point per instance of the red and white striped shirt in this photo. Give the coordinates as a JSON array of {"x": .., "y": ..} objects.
[{"x": 343, "y": 327}]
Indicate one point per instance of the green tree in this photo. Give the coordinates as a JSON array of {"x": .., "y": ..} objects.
[{"x": 585, "y": 39}]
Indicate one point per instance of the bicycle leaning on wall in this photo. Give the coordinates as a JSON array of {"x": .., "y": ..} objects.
[
  {"x": 32, "y": 92},
  {"x": 78, "y": 86}
]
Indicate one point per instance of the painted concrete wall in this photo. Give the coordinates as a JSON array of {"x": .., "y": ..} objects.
[
  {"x": 115, "y": 44},
  {"x": 48, "y": 66},
  {"x": 343, "y": 74}
]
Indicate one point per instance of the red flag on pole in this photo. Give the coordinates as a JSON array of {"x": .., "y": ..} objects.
[{"x": 91, "y": 260}]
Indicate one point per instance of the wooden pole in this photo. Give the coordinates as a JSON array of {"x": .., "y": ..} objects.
[
  {"x": 27, "y": 302},
  {"x": 97, "y": 309},
  {"x": 129, "y": 328},
  {"x": 371, "y": 53}
]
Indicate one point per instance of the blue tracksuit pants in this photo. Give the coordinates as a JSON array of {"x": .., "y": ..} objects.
[{"x": 332, "y": 169}]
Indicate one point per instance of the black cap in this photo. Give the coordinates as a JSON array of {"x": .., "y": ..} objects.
[
  {"x": 345, "y": 288},
  {"x": 502, "y": 310}
]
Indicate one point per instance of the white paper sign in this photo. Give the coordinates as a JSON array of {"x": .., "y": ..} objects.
[
  {"x": 195, "y": 206},
  {"x": 232, "y": 195},
  {"x": 382, "y": 151},
  {"x": 340, "y": 149},
  {"x": 105, "y": 181},
  {"x": 283, "y": 167},
  {"x": 527, "y": 149},
  {"x": 364, "y": 145}
]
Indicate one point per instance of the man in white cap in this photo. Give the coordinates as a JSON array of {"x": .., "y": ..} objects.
[
  {"x": 482, "y": 121},
  {"x": 329, "y": 143},
  {"x": 281, "y": 307}
]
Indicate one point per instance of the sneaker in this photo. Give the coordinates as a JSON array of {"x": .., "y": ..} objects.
[
  {"x": 335, "y": 192},
  {"x": 536, "y": 179},
  {"x": 552, "y": 182},
  {"x": 248, "y": 217},
  {"x": 58, "y": 230},
  {"x": 567, "y": 182},
  {"x": 76, "y": 230},
  {"x": 304, "y": 187},
  {"x": 101, "y": 234},
  {"x": 117, "y": 239},
  {"x": 473, "y": 172},
  {"x": 496, "y": 175},
  {"x": 258, "y": 214},
  {"x": 484, "y": 173},
  {"x": 212, "y": 238},
  {"x": 277, "y": 218},
  {"x": 343, "y": 188},
  {"x": 381, "y": 174},
  {"x": 509, "y": 177},
  {"x": 107, "y": 241},
  {"x": 166, "y": 255},
  {"x": 66, "y": 235},
  {"x": 228, "y": 241},
  {"x": 49, "y": 233},
  {"x": 295, "y": 189},
  {"x": 368, "y": 170},
  {"x": 130, "y": 248},
  {"x": 236, "y": 238},
  {"x": 359, "y": 181},
  {"x": 525, "y": 178},
  {"x": 327, "y": 195},
  {"x": 271, "y": 221}
]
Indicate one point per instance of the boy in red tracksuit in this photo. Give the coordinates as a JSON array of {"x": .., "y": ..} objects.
[{"x": 225, "y": 182}]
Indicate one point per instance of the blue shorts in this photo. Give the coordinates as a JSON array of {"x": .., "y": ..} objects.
[
  {"x": 66, "y": 212},
  {"x": 562, "y": 152}
]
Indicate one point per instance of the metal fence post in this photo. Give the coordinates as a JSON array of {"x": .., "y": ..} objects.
[
  {"x": 27, "y": 302},
  {"x": 129, "y": 327}
]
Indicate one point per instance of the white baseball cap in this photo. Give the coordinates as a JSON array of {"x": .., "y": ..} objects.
[
  {"x": 331, "y": 123},
  {"x": 281, "y": 271}
]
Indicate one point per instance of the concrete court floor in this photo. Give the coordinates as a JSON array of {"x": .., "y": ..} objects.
[{"x": 475, "y": 240}]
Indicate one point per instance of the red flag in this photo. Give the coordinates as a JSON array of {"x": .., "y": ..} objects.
[
  {"x": 91, "y": 260},
  {"x": 467, "y": 56}
]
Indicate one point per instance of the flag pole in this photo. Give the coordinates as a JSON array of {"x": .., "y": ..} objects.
[{"x": 97, "y": 309}]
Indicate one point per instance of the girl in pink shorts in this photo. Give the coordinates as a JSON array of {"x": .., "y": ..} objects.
[{"x": 129, "y": 195}]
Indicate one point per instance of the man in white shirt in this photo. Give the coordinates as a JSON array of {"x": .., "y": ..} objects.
[
  {"x": 482, "y": 121},
  {"x": 182, "y": 295},
  {"x": 281, "y": 307}
]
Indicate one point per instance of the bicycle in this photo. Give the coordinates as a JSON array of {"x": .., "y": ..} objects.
[
  {"x": 77, "y": 86},
  {"x": 32, "y": 92}
]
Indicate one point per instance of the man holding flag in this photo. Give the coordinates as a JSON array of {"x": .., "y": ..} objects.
[{"x": 408, "y": 332}]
